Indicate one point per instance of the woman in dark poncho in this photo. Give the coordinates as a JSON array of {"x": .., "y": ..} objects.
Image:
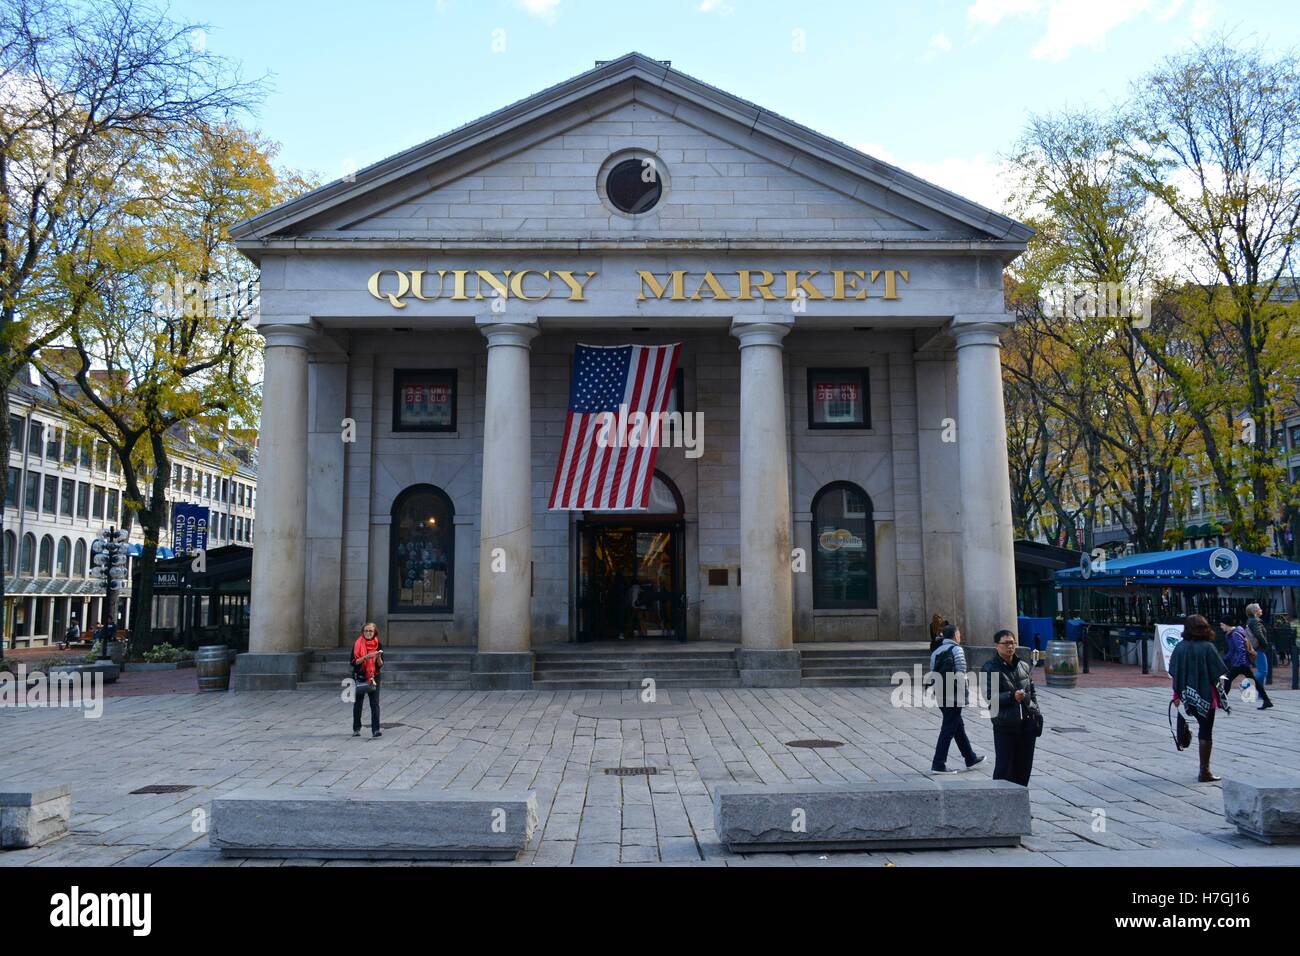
[{"x": 1196, "y": 667}]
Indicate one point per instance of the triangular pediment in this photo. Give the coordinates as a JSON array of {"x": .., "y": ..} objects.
[{"x": 729, "y": 171}]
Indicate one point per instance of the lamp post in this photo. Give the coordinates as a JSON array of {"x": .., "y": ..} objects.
[{"x": 109, "y": 568}]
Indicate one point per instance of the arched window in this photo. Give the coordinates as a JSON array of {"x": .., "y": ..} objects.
[
  {"x": 79, "y": 558},
  {"x": 27, "y": 561},
  {"x": 46, "y": 564},
  {"x": 844, "y": 548},
  {"x": 423, "y": 551},
  {"x": 11, "y": 547},
  {"x": 62, "y": 557}
]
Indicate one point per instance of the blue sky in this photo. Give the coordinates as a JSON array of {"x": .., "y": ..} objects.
[{"x": 941, "y": 89}]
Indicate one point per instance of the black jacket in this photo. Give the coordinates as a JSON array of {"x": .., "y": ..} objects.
[{"x": 1004, "y": 680}]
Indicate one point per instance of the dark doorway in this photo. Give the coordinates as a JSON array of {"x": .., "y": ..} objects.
[{"x": 630, "y": 582}]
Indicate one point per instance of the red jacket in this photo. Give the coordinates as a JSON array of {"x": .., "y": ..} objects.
[{"x": 367, "y": 668}]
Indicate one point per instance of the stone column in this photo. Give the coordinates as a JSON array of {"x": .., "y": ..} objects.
[
  {"x": 275, "y": 640},
  {"x": 505, "y": 660},
  {"x": 987, "y": 549},
  {"x": 767, "y": 656}
]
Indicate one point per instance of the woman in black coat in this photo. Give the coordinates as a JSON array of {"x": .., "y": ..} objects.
[
  {"x": 1014, "y": 728},
  {"x": 1196, "y": 669}
]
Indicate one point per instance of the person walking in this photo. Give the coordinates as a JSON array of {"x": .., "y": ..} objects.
[
  {"x": 367, "y": 662},
  {"x": 1259, "y": 640},
  {"x": 1015, "y": 722},
  {"x": 1241, "y": 659},
  {"x": 1196, "y": 668},
  {"x": 948, "y": 664}
]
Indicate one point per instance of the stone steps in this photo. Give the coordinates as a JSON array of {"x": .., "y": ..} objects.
[{"x": 594, "y": 670}]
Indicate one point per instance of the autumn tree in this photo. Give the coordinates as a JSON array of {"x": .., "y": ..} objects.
[
  {"x": 1212, "y": 140},
  {"x": 171, "y": 342},
  {"x": 86, "y": 90}
]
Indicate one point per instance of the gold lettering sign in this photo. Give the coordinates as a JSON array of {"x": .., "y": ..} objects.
[{"x": 397, "y": 286}]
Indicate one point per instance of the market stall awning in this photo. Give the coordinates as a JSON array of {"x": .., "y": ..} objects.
[{"x": 1196, "y": 567}]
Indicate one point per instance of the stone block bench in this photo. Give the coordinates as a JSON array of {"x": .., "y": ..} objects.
[
  {"x": 33, "y": 814},
  {"x": 420, "y": 824},
  {"x": 1266, "y": 808},
  {"x": 910, "y": 815}
]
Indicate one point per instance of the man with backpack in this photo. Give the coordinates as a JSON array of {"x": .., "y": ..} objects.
[
  {"x": 948, "y": 664},
  {"x": 1241, "y": 659}
]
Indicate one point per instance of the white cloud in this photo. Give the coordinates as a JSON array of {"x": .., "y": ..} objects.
[
  {"x": 979, "y": 178},
  {"x": 1071, "y": 24},
  {"x": 1075, "y": 23},
  {"x": 992, "y": 12},
  {"x": 940, "y": 42},
  {"x": 547, "y": 10}
]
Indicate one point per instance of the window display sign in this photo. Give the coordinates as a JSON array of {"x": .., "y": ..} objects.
[
  {"x": 424, "y": 401},
  {"x": 837, "y": 398}
]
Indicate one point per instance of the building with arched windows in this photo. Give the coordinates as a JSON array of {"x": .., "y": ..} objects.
[
  {"x": 838, "y": 324},
  {"x": 65, "y": 487}
]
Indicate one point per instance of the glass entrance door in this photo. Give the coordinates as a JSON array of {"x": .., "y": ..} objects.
[{"x": 629, "y": 582}]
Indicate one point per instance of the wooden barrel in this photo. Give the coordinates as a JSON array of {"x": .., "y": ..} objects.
[
  {"x": 1062, "y": 664},
  {"x": 212, "y": 664}
]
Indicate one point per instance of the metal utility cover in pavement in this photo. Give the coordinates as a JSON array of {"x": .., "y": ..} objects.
[
  {"x": 165, "y": 788},
  {"x": 1071, "y": 730},
  {"x": 390, "y": 726},
  {"x": 815, "y": 744},
  {"x": 631, "y": 771}
]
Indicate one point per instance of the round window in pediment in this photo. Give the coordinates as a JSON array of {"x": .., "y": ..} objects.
[{"x": 634, "y": 185}]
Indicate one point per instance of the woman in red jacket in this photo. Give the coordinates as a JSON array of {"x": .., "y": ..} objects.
[{"x": 367, "y": 662}]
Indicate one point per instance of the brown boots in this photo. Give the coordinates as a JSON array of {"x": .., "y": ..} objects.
[{"x": 1206, "y": 776}]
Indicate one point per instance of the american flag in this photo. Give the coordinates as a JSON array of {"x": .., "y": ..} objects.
[{"x": 612, "y": 476}]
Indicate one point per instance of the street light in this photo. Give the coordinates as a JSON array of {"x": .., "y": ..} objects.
[{"x": 109, "y": 569}]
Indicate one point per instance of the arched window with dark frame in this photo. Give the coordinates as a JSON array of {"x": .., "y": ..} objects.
[
  {"x": 422, "y": 555},
  {"x": 844, "y": 548},
  {"x": 27, "y": 557},
  {"x": 46, "y": 565},
  {"x": 63, "y": 557},
  {"x": 79, "y": 558},
  {"x": 11, "y": 546}
]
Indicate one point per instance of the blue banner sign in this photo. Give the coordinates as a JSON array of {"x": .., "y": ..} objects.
[{"x": 190, "y": 530}]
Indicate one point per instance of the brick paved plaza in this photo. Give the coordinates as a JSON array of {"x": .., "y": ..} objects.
[{"x": 1123, "y": 763}]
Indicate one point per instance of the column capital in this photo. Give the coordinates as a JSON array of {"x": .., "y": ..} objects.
[
  {"x": 292, "y": 336},
  {"x": 761, "y": 330},
  {"x": 498, "y": 331},
  {"x": 979, "y": 329}
]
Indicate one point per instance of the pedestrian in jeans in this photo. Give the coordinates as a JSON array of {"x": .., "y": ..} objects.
[
  {"x": 1241, "y": 659},
  {"x": 1014, "y": 734},
  {"x": 367, "y": 661},
  {"x": 1259, "y": 640},
  {"x": 1196, "y": 668},
  {"x": 948, "y": 663}
]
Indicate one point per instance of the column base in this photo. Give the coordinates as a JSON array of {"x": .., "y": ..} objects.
[
  {"x": 502, "y": 670},
  {"x": 267, "y": 671},
  {"x": 769, "y": 668}
]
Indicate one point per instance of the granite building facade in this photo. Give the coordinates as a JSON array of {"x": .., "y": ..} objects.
[{"x": 839, "y": 322}]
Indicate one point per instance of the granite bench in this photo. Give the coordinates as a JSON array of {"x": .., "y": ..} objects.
[
  {"x": 418, "y": 824},
  {"x": 33, "y": 814},
  {"x": 1266, "y": 808},
  {"x": 921, "y": 814}
]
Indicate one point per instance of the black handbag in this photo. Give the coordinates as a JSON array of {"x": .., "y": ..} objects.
[
  {"x": 1033, "y": 716},
  {"x": 1182, "y": 733}
]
